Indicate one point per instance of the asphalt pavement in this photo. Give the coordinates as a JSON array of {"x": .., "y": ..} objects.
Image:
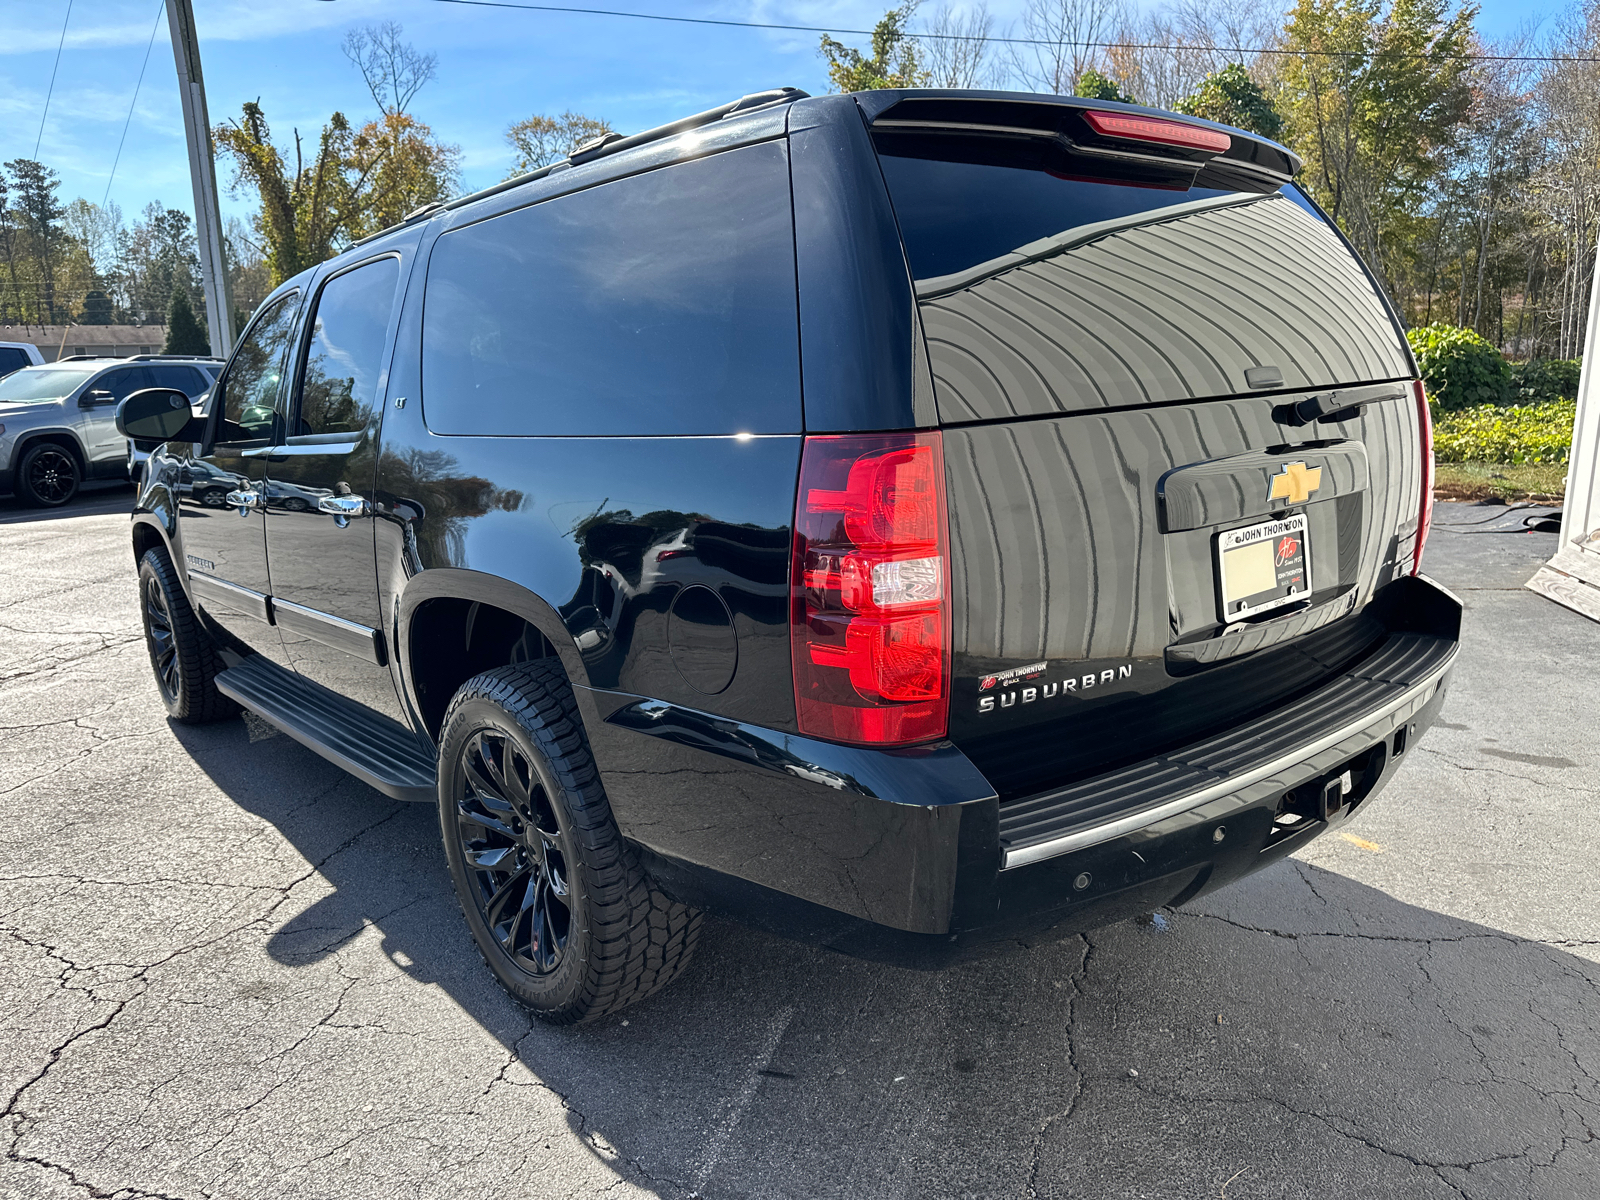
[{"x": 229, "y": 970}]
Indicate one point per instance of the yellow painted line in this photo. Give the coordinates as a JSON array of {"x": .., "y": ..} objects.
[{"x": 1361, "y": 842}]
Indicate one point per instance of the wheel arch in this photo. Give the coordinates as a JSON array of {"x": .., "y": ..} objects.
[
  {"x": 443, "y": 612},
  {"x": 59, "y": 435}
]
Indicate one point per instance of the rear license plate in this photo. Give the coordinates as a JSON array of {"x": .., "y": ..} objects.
[{"x": 1263, "y": 567}]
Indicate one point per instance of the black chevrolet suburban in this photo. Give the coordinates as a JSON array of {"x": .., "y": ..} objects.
[{"x": 941, "y": 512}]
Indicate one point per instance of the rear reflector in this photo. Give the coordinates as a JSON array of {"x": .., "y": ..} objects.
[
  {"x": 1157, "y": 130},
  {"x": 1425, "y": 515},
  {"x": 870, "y": 616}
]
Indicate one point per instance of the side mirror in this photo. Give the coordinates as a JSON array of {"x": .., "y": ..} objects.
[
  {"x": 94, "y": 397},
  {"x": 159, "y": 415}
]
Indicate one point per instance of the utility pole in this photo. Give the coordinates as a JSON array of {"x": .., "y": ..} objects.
[{"x": 203, "y": 174}]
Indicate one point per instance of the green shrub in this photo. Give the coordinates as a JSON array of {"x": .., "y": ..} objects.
[
  {"x": 1540, "y": 380},
  {"x": 1522, "y": 433},
  {"x": 1461, "y": 370}
]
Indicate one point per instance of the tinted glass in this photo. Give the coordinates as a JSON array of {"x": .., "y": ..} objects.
[
  {"x": 344, "y": 362},
  {"x": 255, "y": 372},
  {"x": 11, "y": 359},
  {"x": 42, "y": 383},
  {"x": 660, "y": 304},
  {"x": 123, "y": 382},
  {"x": 185, "y": 379},
  {"x": 1040, "y": 294}
]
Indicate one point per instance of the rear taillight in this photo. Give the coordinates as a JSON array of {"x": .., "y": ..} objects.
[
  {"x": 1157, "y": 130},
  {"x": 870, "y": 623},
  {"x": 1425, "y": 516}
]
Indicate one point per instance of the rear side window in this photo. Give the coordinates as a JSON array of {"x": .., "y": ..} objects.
[
  {"x": 11, "y": 359},
  {"x": 340, "y": 385},
  {"x": 185, "y": 379},
  {"x": 659, "y": 304},
  {"x": 1041, "y": 293}
]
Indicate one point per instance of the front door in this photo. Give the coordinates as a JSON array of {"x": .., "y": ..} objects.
[
  {"x": 225, "y": 547},
  {"x": 319, "y": 489}
]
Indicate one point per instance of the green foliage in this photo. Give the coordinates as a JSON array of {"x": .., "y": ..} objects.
[
  {"x": 1092, "y": 85},
  {"x": 185, "y": 333},
  {"x": 1541, "y": 380},
  {"x": 97, "y": 309},
  {"x": 1374, "y": 96},
  {"x": 1522, "y": 433},
  {"x": 895, "y": 61},
  {"x": 1460, "y": 368},
  {"x": 1231, "y": 97}
]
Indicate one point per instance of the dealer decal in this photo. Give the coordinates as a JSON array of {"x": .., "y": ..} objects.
[{"x": 1026, "y": 685}]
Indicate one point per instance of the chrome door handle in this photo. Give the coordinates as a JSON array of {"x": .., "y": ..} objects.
[
  {"x": 345, "y": 506},
  {"x": 342, "y": 508},
  {"x": 243, "y": 501}
]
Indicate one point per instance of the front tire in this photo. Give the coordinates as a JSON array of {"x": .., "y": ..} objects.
[
  {"x": 181, "y": 653},
  {"x": 48, "y": 475},
  {"x": 556, "y": 899}
]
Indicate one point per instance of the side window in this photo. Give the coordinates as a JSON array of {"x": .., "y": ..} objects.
[
  {"x": 663, "y": 303},
  {"x": 11, "y": 359},
  {"x": 254, "y": 373},
  {"x": 344, "y": 360},
  {"x": 122, "y": 383},
  {"x": 171, "y": 375}
]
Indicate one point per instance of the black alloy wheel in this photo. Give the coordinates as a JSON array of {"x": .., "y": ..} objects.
[
  {"x": 182, "y": 655},
  {"x": 49, "y": 475},
  {"x": 515, "y": 851},
  {"x": 163, "y": 645},
  {"x": 555, "y": 898}
]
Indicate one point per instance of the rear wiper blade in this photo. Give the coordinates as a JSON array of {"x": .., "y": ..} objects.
[{"x": 1340, "y": 405}]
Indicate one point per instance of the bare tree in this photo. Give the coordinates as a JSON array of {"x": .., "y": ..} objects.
[
  {"x": 955, "y": 48},
  {"x": 1068, "y": 38},
  {"x": 1164, "y": 54},
  {"x": 393, "y": 69}
]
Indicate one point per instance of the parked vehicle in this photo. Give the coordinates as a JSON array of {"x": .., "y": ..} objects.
[
  {"x": 953, "y": 512},
  {"x": 59, "y": 420},
  {"x": 16, "y": 355}
]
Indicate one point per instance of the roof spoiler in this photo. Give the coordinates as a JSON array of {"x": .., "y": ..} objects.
[{"x": 1066, "y": 121}]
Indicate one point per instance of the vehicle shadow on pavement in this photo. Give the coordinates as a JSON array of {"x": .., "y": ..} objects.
[
  {"x": 113, "y": 497},
  {"x": 1299, "y": 1034}
]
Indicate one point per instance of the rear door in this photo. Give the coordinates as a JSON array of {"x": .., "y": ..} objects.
[
  {"x": 319, "y": 486},
  {"x": 1118, "y": 346}
]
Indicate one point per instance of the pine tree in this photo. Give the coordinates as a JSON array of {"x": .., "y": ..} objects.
[{"x": 185, "y": 334}]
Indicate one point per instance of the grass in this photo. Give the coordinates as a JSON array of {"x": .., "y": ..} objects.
[{"x": 1505, "y": 481}]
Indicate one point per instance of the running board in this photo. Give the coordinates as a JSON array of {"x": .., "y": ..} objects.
[{"x": 381, "y": 753}]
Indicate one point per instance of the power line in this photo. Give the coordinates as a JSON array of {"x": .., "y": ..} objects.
[
  {"x": 38, "y": 140},
  {"x": 1012, "y": 41},
  {"x": 161, "y": 6}
]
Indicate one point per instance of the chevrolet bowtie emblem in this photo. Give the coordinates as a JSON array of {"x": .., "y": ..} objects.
[{"x": 1296, "y": 483}]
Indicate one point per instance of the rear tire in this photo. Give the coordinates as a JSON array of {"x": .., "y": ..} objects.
[
  {"x": 48, "y": 475},
  {"x": 556, "y": 899},
  {"x": 181, "y": 652}
]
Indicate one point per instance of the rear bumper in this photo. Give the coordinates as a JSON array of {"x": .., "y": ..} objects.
[{"x": 922, "y": 844}]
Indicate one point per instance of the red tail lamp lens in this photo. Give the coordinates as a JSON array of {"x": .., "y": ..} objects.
[
  {"x": 1425, "y": 516},
  {"x": 871, "y": 613},
  {"x": 1155, "y": 129}
]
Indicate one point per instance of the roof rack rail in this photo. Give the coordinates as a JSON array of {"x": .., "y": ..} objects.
[
  {"x": 600, "y": 147},
  {"x": 175, "y": 357}
]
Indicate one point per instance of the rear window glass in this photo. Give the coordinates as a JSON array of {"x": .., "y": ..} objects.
[
  {"x": 659, "y": 304},
  {"x": 1044, "y": 293}
]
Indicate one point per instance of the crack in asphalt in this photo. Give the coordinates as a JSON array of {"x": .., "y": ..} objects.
[{"x": 1079, "y": 977}]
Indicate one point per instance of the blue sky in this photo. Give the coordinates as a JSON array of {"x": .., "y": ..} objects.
[{"x": 495, "y": 66}]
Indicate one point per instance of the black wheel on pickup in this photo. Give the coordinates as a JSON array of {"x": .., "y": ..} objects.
[
  {"x": 48, "y": 475},
  {"x": 556, "y": 899},
  {"x": 181, "y": 653}
]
